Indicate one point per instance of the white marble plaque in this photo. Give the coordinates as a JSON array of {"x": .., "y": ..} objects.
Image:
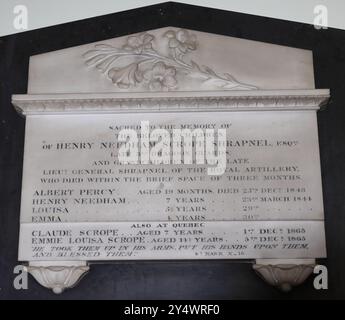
[
  {"x": 260, "y": 199},
  {"x": 72, "y": 176}
]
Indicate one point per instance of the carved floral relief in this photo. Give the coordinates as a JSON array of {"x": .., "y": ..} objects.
[{"x": 140, "y": 64}]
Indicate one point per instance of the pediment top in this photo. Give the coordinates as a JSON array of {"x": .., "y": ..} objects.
[{"x": 171, "y": 59}]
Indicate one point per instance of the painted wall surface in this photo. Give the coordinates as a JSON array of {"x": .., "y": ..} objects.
[{"x": 43, "y": 13}]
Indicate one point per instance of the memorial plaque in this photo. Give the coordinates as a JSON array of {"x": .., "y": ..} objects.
[{"x": 159, "y": 156}]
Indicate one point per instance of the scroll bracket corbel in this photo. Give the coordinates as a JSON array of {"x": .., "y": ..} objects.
[
  {"x": 284, "y": 274},
  {"x": 57, "y": 275}
]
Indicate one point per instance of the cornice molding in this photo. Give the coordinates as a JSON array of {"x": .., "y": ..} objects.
[{"x": 210, "y": 101}]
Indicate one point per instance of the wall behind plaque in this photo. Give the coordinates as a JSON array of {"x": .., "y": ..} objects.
[{"x": 175, "y": 280}]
